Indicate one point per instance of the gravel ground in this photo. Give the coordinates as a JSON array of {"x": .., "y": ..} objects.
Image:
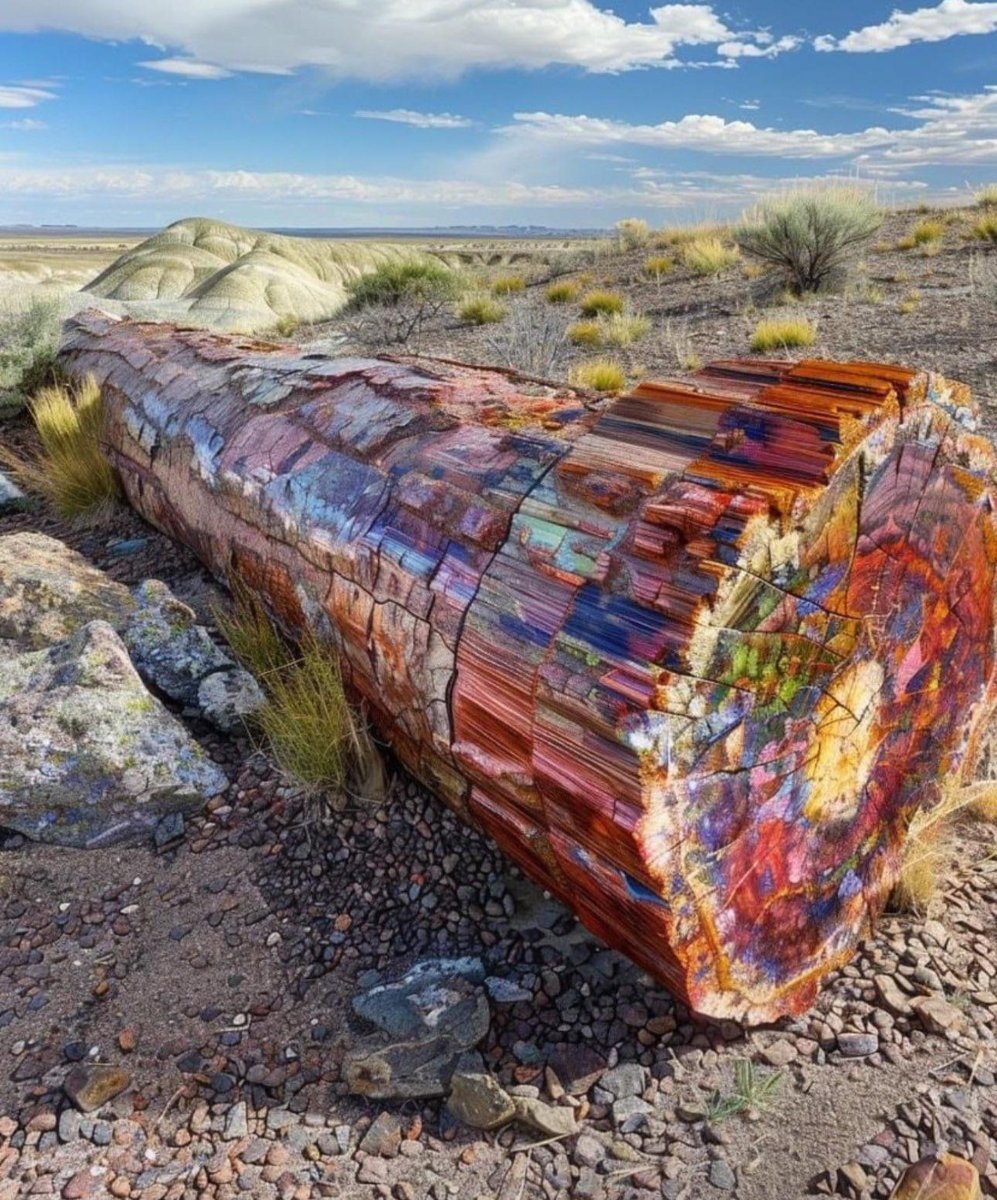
[{"x": 219, "y": 976}]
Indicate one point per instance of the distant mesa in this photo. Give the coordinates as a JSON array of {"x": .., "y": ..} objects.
[{"x": 211, "y": 273}]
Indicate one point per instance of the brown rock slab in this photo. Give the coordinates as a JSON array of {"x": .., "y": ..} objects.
[
  {"x": 939, "y": 1177},
  {"x": 90, "y": 1088},
  {"x": 480, "y": 1101},
  {"x": 937, "y": 1015}
]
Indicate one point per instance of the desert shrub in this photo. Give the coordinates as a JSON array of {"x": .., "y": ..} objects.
[
  {"x": 571, "y": 259},
  {"x": 658, "y": 266},
  {"x": 929, "y": 851},
  {"x": 986, "y": 197},
  {"x": 910, "y": 303},
  {"x": 70, "y": 470},
  {"x": 600, "y": 375},
  {"x": 781, "y": 335},
  {"x": 928, "y": 231},
  {"x": 530, "y": 340},
  {"x": 28, "y": 344},
  {"x": 985, "y": 228},
  {"x": 585, "y": 333},
  {"x": 508, "y": 285},
  {"x": 810, "y": 235},
  {"x": 679, "y": 339},
  {"x": 623, "y": 329},
  {"x": 396, "y": 302},
  {"x": 709, "y": 255},
  {"x": 481, "y": 310},
  {"x": 633, "y": 232},
  {"x": 287, "y": 325},
  {"x": 564, "y": 292},
  {"x": 595, "y": 303}
]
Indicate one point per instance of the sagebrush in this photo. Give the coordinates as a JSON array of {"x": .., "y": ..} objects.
[
  {"x": 28, "y": 344},
  {"x": 811, "y": 236}
]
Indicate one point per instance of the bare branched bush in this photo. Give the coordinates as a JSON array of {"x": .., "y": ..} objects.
[
  {"x": 531, "y": 340},
  {"x": 810, "y": 235},
  {"x": 399, "y": 302}
]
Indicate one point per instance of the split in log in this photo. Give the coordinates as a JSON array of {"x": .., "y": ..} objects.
[{"x": 694, "y": 656}]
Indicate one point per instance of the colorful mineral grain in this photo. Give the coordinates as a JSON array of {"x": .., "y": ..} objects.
[{"x": 694, "y": 656}]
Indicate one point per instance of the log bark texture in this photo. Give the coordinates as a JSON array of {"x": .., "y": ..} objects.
[{"x": 693, "y": 656}]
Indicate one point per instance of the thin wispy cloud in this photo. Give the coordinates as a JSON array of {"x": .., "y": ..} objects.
[
  {"x": 188, "y": 68},
  {"x": 420, "y": 120},
  {"x": 938, "y": 23},
  {"x": 19, "y": 95},
  {"x": 24, "y": 125}
]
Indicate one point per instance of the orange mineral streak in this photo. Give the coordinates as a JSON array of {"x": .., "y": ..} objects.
[{"x": 693, "y": 656}]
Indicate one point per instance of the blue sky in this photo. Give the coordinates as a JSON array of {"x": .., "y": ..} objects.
[{"x": 412, "y": 112}]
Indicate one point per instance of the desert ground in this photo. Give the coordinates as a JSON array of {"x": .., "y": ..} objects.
[{"x": 223, "y": 972}]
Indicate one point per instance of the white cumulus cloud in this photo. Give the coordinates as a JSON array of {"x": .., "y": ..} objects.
[
  {"x": 380, "y": 40},
  {"x": 948, "y": 19}
]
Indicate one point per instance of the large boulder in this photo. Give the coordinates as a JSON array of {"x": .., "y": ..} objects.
[
  {"x": 49, "y": 591},
  {"x": 87, "y": 755}
]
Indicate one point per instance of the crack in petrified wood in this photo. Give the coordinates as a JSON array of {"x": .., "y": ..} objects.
[{"x": 693, "y": 656}]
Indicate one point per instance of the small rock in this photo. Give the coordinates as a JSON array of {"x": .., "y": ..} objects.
[
  {"x": 721, "y": 1176},
  {"x": 852, "y": 1179},
  {"x": 890, "y": 995},
  {"x": 506, "y": 991},
  {"x": 937, "y": 1015},
  {"x": 547, "y": 1118},
  {"x": 236, "y": 1122},
  {"x": 779, "y": 1054},
  {"x": 588, "y": 1151},
  {"x": 577, "y": 1066},
  {"x": 90, "y": 1088},
  {"x": 383, "y": 1137},
  {"x": 480, "y": 1101},
  {"x": 940, "y": 1177},
  {"x": 858, "y": 1045},
  {"x": 625, "y": 1080}
]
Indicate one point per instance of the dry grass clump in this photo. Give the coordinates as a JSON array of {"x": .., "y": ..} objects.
[
  {"x": 585, "y": 333},
  {"x": 633, "y": 232},
  {"x": 910, "y": 303},
  {"x": 659, "y": 265},
  {"x": 287, "y": 325},
  {"x": 781, "y": 335},
  {"x": 564, "y": 292},
  {"x": 928, "y": 231},
  {"x": 600, "y": 375},
  {"x": 931, "y": 848},
  {"x": 986, "y": 197},
  {"x": 71, "y": 470},
  {"x": 508, "y": 285},
  {"x": 312, "y": 731},
  {"x": 985, "y": 228},
  {"x": 810, "y": 235},
  {"x": 709, "y": 255},
  {"x": 623, "y": 329},
  {"x": 597, "y": 303},
  {"x": 481, "y": 310}
]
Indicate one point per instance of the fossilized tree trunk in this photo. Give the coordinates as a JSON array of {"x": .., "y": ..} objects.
[{"x": 693, "y": 656}]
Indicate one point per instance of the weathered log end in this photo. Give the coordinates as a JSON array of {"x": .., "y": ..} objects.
[{"x": 694, "y": 657}]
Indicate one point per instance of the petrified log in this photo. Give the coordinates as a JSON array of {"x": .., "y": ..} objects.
[{"x": 693, "y": 656}]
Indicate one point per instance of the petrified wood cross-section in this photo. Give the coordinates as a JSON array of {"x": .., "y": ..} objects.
[{"x": 694, "y": 656}]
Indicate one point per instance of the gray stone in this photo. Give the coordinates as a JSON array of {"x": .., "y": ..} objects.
[
  {"x": 858, "y": 1045},
  {"x": 427, "y": 1022},
  {"x": 230, "y": 699},
  {"x": 588, "y": 1151},
  {"x": 236, "y": 1122},
  {"x": 549, "y": 1119},
  {"x": 87, "y": 755},
  {"x": 11, "y": 497},
  {"x": 628, "y": 1107},
  {"x": 721, "y": 1176},
  {"x": 627, "y": 1079},
  {"x": 480, "y": 1101},
  {"x": 506, "y": 991}
]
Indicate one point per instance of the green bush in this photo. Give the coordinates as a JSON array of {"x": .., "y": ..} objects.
[
  {"x": 810, "y": 235},
  {"x": 396, "y": 283},
  {"x": 623, "y": 329},
  {"x": 28, "y": 344},
  {"x": 780, "y": 335}
]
